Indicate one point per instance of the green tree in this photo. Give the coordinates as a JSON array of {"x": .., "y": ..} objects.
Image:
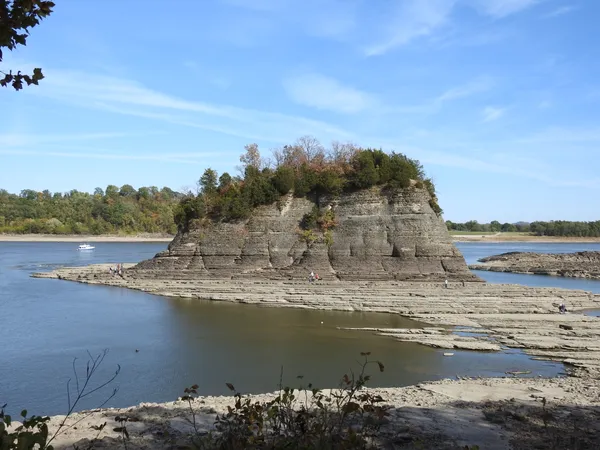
[
  {"x": 283, "y": 179},
  {"x": 17, "y": 17},
  {"x": 224, "y": 181},
  {"x": 251, "y": 158},
  {"x": 144, "y": 192},
  {"x": 365, "y": 173},
  {"x": 208, "y": 182},
  {"x": 330, "y": 182},
  {"x": 473, "y": 225},
  {"x": 127, "y": 190},
  {"x": 306, "y": 181},
  {"x": 112, "y": 190},
  {"x": 508, "y": 227},
  {"x": 28, "y": 194}
]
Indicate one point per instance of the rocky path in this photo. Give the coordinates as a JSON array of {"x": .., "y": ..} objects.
[
  {"x": 501, "y": 315},
  {"x": 573, "y": 265}
]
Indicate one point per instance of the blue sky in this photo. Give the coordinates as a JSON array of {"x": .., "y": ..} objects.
[{"x": 499, "y": 99}]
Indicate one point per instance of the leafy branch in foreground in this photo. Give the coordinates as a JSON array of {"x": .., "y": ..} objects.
[
  {"x": 348, "y": 417},
  {"x": 34, "y": 430},
  {"x": 17, "y": 17}
]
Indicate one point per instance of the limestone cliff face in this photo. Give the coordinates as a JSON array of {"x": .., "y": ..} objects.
[{"x": 377, "y": 237}]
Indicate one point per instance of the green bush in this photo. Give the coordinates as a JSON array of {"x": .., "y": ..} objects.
[
  {"x": 189, "y": 209},
  {"x": 31, "y": 433},
  {"x": 283, "y": 179},
  {"x": 331, "y": 182},
  {"x": 365, "y": 173},
  {"x": 306, "y": 418}
]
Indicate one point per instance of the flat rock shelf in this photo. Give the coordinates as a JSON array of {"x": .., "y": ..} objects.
[{"x": 571, "y": 265}]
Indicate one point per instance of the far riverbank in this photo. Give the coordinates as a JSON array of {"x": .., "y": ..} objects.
[
  {"x": 521, "y": 237},
  {"x": 142, "y": 237}
]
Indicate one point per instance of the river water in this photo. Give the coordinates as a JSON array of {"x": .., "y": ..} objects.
[{"x": 45, "y": 324}]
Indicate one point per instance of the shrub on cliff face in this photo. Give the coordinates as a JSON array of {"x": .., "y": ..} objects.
[
  {"x": 330, "y": 182},
  {"x": 189, "y": 208}
]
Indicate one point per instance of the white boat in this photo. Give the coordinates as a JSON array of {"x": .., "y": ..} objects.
[{"x": 85, "y": 247}]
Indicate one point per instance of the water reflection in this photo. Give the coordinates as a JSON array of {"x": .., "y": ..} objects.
[{"x": 45, "y": 323}]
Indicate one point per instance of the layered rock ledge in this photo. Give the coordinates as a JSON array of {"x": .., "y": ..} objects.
[
  {"x": 377, "y": 236},
  {"x": 501, "y": 315},
  {"x": 573, "y": 265}
]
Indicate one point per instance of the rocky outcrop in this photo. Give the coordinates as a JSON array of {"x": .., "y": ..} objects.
[
  {"x": 379, "y": 236},
  {"x": 575, "y": 265}
]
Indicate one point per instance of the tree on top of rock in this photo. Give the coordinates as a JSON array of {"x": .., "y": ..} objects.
[
  {"x": 251, "y": 158},
  {"x": 208, "y": 182}
]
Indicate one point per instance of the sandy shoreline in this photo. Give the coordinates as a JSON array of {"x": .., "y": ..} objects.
[
  {"x": 83, "y": 238},
  {"x": 499, "y": 238},
  {"x": 494, "y": 413},
  {"x": 165, "y": 238}
]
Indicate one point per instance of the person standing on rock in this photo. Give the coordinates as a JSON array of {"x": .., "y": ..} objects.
[{"x": 446, "y": 283}]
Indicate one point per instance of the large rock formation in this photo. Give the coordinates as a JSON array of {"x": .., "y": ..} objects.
[
  {"x": 575, "y": 265},
  {"x": 379, "y": 236}
]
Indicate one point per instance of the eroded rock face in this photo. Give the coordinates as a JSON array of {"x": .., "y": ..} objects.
[
  {"x": 575, "y": 265},
  {"x": 393, "y": 236}
]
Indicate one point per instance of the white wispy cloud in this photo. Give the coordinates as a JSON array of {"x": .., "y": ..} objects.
[
  {"x": 491, "y": 113},
  {"x": 503, "y": 8},
  {"x": 322, "y": 92},
  {"x": 474, "y": 87},
  {"x": 412, "y": 19},
  {"x": 123, "y": 156},
  {"x": 560, "y": 11},
  {"x": 564, "y": 135},
  {"x": 435, "y": 104},
  {"x": 471, "y": 163},
  {"x": 131, "y": 98},
  {"x": 257, "y": 5},
  {"x": 21, "y": 139}
]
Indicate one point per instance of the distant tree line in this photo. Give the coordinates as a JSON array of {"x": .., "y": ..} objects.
[
  {"x": 566, "y": 228},
  {"x": 113, "y": 210},
  {"x": 538, "y": 228},
  {"x": 493, "y": 226},
  {"x": 305, "y": 168}
]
